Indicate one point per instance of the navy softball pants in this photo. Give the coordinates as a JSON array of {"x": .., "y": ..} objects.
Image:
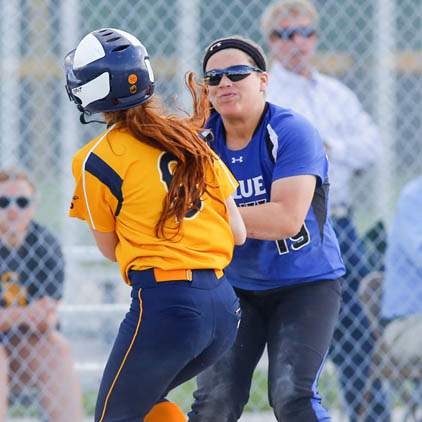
[
  {"x": 296, "y": 323},
  {"x": 173, "y": 331}
]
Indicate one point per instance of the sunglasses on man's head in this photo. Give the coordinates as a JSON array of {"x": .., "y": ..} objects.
[
  {"x": 21, "y": 201},
  {"x": 234, "y": 73},
  {"x": 287, "y": 34}
]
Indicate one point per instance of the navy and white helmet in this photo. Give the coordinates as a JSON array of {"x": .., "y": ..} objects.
[{"x": 108, "y": 71}]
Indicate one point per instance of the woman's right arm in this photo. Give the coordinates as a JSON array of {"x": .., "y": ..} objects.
[
  {"x": 106, "y": 243},
  {"x": 284, "y": 215},
  {"x": 94, "y": 202},
  {"x": 236, "y": 222}
]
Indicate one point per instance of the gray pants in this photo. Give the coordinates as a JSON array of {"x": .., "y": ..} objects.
[{"x": 297, "y": 325}]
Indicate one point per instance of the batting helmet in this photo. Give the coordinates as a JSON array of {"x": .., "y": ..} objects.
[{"x": 108, "y": 71}]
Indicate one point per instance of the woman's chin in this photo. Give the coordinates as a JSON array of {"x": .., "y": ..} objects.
[{"x": 229, "y": 110}]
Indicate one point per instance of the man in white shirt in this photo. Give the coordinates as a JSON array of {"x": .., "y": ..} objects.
[{"x": 353, "y": 145}]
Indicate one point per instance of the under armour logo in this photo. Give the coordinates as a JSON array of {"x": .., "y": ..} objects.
[
  {"x": 215, "y": 45},
  {"x": 237, "y": 160}
]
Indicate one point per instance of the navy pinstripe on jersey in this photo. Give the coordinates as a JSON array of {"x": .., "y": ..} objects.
[
  {"x": 103, "y": 172},
  {"x": 287, "y": 145}
]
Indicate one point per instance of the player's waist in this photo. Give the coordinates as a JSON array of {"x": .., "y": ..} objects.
[{"x": 153, "y": 277}]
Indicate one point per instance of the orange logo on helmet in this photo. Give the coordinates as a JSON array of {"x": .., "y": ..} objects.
[{"x": 132, "y": 78}]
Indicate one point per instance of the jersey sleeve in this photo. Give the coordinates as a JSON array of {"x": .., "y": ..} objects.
[
  {"x": 300, "y": 150},
  {"x": 225, "y": 179},
  {"x": 95, "y": 199}
]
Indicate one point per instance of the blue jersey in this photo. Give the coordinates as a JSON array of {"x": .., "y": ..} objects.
[{"x": 284, "y": 144}]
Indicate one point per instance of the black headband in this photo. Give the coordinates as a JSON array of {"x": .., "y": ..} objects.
[{"x": 238, "y": 44}]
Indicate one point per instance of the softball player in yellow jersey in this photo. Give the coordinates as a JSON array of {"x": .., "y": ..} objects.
[{"x": 158, "y": 201}]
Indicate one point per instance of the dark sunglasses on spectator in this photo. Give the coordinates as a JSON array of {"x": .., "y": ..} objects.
[
  {"x": 234, "y": 73},
  {"x": 289, "y": 33},
  {"x": 21, "y": 201}
]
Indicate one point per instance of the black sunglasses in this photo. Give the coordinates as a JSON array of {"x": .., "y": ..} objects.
[
  {"x": 234, "y": 73},
  {"x": 287, "y": 34},
  {"x": 21, "y": 201}
]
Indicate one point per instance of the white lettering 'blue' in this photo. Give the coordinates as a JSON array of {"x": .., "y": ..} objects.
[
  {"x": 250, "y": 187},
  {"x": 258, "y": 183}
]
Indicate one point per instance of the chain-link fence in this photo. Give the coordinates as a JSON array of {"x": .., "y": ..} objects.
[{"x": 373, "y": 46}]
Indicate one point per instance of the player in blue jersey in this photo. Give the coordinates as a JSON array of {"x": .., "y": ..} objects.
[{"x": 286, "y": 275}]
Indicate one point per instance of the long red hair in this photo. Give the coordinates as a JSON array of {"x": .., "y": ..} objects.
[{"x": 180, "y": 137}]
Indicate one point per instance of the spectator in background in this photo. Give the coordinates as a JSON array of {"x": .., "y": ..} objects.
[
  {"x": 402, "y": 293},
  {"x": 352, "y": 144},
  {"x": 32, "y": 351}
]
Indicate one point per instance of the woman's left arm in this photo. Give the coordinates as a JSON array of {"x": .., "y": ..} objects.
[
  {"x": 106, "y": 242},
  {"x": 285, "y": 214}
]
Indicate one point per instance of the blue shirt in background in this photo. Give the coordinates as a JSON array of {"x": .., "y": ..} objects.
[{"x": 403, "y": 265}]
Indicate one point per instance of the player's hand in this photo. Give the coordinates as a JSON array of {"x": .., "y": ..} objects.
[{"x": 41, "y": 315}]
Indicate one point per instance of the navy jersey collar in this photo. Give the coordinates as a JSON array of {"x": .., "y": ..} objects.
[{"x": 223, "y": 129}]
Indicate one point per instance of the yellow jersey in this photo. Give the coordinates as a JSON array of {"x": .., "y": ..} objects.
[{"x": 121, "y": 184}]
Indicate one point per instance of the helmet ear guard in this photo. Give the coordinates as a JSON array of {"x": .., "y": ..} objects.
[{"x": 108, "y": 71}]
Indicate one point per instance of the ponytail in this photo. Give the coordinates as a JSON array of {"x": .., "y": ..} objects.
[{"x": 180, "y": 137}]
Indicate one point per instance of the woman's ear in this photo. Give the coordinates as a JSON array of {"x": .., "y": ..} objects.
[{"x": 263, "y": 81}]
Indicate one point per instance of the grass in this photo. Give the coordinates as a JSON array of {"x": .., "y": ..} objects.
[{"x": 258, "y": 401}]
